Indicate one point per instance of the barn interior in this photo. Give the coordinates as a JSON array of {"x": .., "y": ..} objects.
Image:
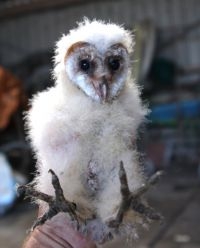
[{"x": 166, "y": 65}]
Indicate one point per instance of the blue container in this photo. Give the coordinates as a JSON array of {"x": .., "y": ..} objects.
[
  {"x": 164, "y": 113},
  {"x": 190, "y": 109},
  {"x": 174, "y": 111}
]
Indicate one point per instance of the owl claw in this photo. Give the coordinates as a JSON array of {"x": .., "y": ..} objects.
[
  {"x": 56, "y": 204},
  {"x": 133, "y": 200}
]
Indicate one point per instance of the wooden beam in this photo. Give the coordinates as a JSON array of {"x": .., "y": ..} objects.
[{"x": 12, "y": 9}]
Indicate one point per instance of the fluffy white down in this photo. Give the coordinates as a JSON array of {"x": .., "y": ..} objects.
[{"x": 68, "y": 130}]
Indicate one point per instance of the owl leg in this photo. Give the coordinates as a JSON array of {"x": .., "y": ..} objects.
[
  {"x": 132, "y": 200},
  {"x": 56, "y": 203}
]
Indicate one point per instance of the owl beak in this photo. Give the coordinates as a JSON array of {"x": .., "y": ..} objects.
[
  {"x": 104, "y": 91},
  {"x": 101, "y": 89}
]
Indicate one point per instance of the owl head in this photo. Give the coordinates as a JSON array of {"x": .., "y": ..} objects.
[{"x": 94, "y": 58}]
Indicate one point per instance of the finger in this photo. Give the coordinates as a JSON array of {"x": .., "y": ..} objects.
[
  {"x": 61, "y": 227},
  {"x": 43, "y": 239}
]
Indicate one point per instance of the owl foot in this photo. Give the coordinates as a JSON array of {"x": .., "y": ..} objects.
[
  {"x": 132, "y": 200},
  {"x": 56, "y": 204}
]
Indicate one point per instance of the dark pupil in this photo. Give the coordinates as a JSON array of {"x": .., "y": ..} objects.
[
  {"x": 114, "y": 64},
  {"x": 84, "y": 65}
]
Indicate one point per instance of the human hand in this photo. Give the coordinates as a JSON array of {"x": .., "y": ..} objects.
[{"x": 57, "y": 233}]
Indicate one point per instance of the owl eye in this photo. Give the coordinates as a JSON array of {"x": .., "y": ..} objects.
[
  {"x": 114, "y": 64},
  {"x": 84, "y": 65}
]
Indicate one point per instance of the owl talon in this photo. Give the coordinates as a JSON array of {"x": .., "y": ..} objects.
[
  {"x": 56, "y": 204},
  {"x": 133, "y": 200},
  {"x": 29, "y": 191}
]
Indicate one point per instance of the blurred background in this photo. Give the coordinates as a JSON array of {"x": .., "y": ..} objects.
[{"x": 167, "y": 67}]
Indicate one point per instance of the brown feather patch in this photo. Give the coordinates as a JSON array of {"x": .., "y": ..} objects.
[
  {"x": 76, "y": 46},
  {"x": 118, "y": 45}
]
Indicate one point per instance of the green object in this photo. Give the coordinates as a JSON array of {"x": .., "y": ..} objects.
[{"x": 163, "y": 72}]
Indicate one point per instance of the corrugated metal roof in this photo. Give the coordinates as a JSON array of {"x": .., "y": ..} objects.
[{"x": 39, "y": 31}]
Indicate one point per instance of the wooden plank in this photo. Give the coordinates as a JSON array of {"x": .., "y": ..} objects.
[{"x": 8, "y": 11}]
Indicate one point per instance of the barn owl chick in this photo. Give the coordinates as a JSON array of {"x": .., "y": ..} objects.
[{"x": 87, "y": 123}]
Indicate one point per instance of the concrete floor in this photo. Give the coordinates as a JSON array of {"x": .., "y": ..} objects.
[{"x": 177, "y": 197}]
